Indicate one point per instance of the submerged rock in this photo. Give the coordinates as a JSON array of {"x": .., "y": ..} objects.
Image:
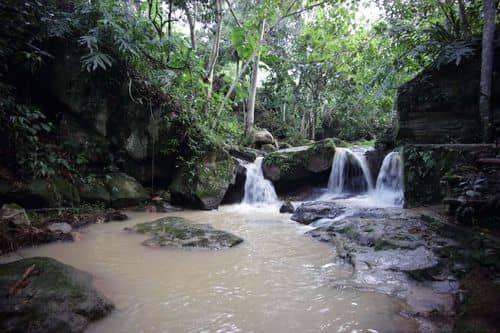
[
  {"x": 179, "y": 232},
  {"x": 44, "y": 295},
  {"x": 309, "y": 212}
]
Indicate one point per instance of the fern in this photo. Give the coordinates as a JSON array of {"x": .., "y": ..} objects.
[
  {"x": 455, "y": 52},
  {"x": 95, "y": 60}
]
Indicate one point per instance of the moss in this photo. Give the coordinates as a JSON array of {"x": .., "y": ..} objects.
[
  {"x": 298, "y": 164},
  {"x": 204, "y": 183}
]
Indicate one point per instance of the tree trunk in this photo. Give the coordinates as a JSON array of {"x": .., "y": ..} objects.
[
  {"x": 252, "y": 93},
  {"x": 489, "y": 12},
  {"x": 214, "y": 54},
  {"x": 192, "y": 27}
]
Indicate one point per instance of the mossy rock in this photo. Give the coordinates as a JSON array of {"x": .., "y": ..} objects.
[
  {"x": 95, "y": 191},
  {"x": 299, "y": 163},
  {"x": 42, "y": 193},
  {"x": 204, "y": 184},
  {"x": 124, "y": 190},
  {"x": 178, "y": 232},
  {"x": 268, "y": 148},
  {"x": 56, "y": 298}
]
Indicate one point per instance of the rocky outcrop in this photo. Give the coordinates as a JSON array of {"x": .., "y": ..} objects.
[
  {"x": 294, "y": 167},
  {"x": 203, "y": 184},
  {"x": 441, "y": 105},
  {"x": 38, "y": 193},
  {"x": 236, "y": 190},
  {"x": 179, "y": 232},
  {"x": 44, "y": 295}
]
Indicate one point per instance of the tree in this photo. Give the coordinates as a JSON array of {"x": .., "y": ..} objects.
[{"x": 489, "y": 13}]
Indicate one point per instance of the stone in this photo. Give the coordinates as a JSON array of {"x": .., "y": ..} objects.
[
  {"x": 262, "y": 137},
  {"x": 309, "y": 212},
  {"x": 14, "y": 214},
  {"x": 472, "y": 194},
  {"x": 178, "y": 232},
  {"x": 268, "y": 148},
  {"x": 287, "y": 207},
  {"x": 95, "y": 191},
  {"x": 204, "y": 184},
  {"x": 236, "y": 190},
  {"x": 124, "y": 190},
  {"x": 42, "y": 193},
  {"x": 291, "y": 168},
  {"x": 115, "y": 215},
  {"x": 63, "y": 228},
  {"x": 244, "y": 153},
  {"x": 56, "y": 298}
]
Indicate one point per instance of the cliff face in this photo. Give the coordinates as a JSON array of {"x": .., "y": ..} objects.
[{"x": 441, "y": 105}]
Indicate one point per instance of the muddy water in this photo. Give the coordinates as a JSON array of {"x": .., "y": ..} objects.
[{"x": 276, "y": 281}]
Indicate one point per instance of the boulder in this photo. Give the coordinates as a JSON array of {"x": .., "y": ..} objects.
[
  {"x": 287, "y": 207},
  {"x": 309, "y": 212},
  {"x": 53, "y": 297},
  {"x": 95, "y": 191},
  {"x": 263, "y": 137},
  {"x": 42, "y": 193},
  {"x": 178, "y": 232},
  {"x": 203, "y": 184},
  {"x": 63, "y": 228},
  {"x": 124, "y": 190},
  {"x": 15, "y": 214},
  {"x": 268, "y": 148},
  {"x": 291, "y": 168}
]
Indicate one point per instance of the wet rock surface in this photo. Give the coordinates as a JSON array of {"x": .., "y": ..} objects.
[
  {"x": 179, "y": 232},
  {"x": 406, "y": 254},
  {"x": 309, "y": 212},
  {"x": 287, "y": 207},
  {"x": 44, "y": 295}
]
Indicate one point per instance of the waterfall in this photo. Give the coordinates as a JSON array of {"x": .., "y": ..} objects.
[
  {"x": 350, "y": 173},
  {"x": 390, "y": 180},
  {"x": 257, "y": 188}
]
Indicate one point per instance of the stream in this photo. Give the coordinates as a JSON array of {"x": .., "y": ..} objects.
[{"x": 276, "y": 281}]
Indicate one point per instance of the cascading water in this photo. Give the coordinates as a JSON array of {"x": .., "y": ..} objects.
[
  {"x": 258, "y": 190},
  {"x": 350, "y": 173},
  {"x": 390, "y": 180}
]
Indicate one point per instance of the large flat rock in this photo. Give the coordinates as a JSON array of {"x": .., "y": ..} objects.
[{"x": 178, "y": 232}]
